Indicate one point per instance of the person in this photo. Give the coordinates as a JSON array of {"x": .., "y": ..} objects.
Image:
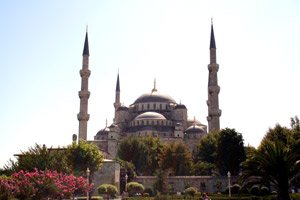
[{"x": 204, "y": 196}]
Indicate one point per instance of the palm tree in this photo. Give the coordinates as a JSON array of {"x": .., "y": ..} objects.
[{"x": 273, "y": 163}]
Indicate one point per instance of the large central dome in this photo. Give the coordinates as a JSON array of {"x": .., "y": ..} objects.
[{"x": 154, "y": 96}]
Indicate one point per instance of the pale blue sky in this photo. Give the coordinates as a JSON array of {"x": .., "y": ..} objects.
[{"x": 258, "y": 50}]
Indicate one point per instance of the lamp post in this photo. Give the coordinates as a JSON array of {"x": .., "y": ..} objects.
[
  {"x": 126, "y": 178},
  {"x": 229, "y": 189},
  {"x": 88, "y": 183}
]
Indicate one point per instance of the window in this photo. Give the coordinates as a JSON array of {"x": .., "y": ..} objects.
[{"x": 154, "y": 106}]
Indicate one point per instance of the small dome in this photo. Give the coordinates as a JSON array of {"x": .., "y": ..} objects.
[
  {"x": 154, "y": 97},
  {"x": 122, "y": 108},
  {"x": 195, "y": 129},
  {"x": 180, "y": 106},
  {"x": 104, "y": 131},
  {"x": 150, "y": 115}
]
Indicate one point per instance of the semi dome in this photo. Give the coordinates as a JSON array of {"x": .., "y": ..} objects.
[
  {"x": 194, "y": 129},
  {"x": 150, "y": 115},
  {"x": 154, "y": 97},
  {"x": 104, "y": 131}
]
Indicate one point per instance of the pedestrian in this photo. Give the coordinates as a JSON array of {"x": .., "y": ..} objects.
[{"x": 205, "y": 196}]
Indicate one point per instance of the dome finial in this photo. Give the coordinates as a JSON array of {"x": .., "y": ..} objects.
[
  {"x": 154, "y": 88},
  {"x": 106, "y": 123},
  {"x": 194, "y": 121}
]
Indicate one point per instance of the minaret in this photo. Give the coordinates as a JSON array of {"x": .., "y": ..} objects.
[
  {"x": 117, "y": 103},
  {"x": 214, "y": 112},
  {"x": 84, "y": 93}
]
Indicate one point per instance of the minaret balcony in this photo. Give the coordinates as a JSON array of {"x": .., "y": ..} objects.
[
  {"x": 213, "y": 67},
  {"x": 84, "y": 94},
  {"x": 214, "y": 112},
  {"x": 83, "y": 116},
  {"x": 214, "y": 89},
  {"x": 85, "y": 73}
]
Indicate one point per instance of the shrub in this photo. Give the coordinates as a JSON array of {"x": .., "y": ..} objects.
[
  {"x": 191, "y": 191},
  {"x": 235, "y": 189},
  {"x": 108, "y": 189},
  {"x": 264, "y": 191},
  {"x": 254, "y": 190},
  {"x": 149, "y": 191},
  {"x": 134, "y": 188}
]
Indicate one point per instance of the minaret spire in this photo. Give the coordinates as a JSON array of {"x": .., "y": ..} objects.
[
  {"x": 212, "y": 37},
  {"x": 84, "y": 93},
  {"x": 154, "y": 87},
  {"x": 117, "y": 102},
  {"x": 214, "y": 112},
  {"x": 86, "y": 45}
]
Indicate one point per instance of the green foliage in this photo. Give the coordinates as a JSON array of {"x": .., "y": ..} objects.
[
  {"x": 142, "y": 152},
  {"x": 230, "y": 151},
  {"x": 206, "y": 150},
  {"x": 274, "y": 162},
  {"x": 204, "y": 168},
  {"x": 82, "y": 156},
  {"x": 134, "y": 188},
  {"x": 161, "y": 184},
  {"x": 107, "y": 189},
  {"x": 42, "y": 158},
  {"x": 191, "y": 191},
  {"x": 75, "y": 158},
  {"x": 177, "y": 157}
]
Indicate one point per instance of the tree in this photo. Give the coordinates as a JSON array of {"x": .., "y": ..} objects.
[
  {"x": 42, "y": 158},
  {"x": 273, "y": 162},
  {"x": 161, "y": 184},
  {"x": 82, "y": 156},
  {"x": 177, "y": 157},
  {"x": 142, "y": 152},
  {"x": 206, "y": 150},
  {"x": 230, "y": 151}
]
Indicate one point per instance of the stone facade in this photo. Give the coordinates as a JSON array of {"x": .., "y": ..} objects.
[
  {"x": 210, "y": 184},
  {"x": 109, "y": 173}
]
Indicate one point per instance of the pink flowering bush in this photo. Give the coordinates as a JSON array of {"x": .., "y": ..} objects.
[{"x": 41, "y": 184}]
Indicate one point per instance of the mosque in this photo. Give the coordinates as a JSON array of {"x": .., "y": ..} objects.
[{"x": 151, "y": 114}]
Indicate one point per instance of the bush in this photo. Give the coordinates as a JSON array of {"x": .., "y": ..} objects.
[
  {"x": 235, "y": 189},
  {"x": 264, "y": 191},
  {"x": 134, "y": 188},
  {"x": 108, "y": 189},
  {"x": 191, "y": 191},
  {"x": 149, "y": 191},
  {"x": 254, "y": 190}
]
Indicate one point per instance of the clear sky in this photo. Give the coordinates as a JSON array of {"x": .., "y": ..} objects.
[{"x": 258, "y": 50}]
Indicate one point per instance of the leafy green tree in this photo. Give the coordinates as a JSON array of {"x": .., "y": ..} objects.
[
  {"x": 177, "y": 157},
  {"x": 206, "y": 150},
  {"x": 230, "y": 151},
  {"x": 161, "y": 184},
  {"x": 42, "y": 158},
  {"x": 272, "y": 163},
  {"x": 142, "y": 152},
  {"x": 204, "y": 168},
  {"x": 82, "y": 156}
]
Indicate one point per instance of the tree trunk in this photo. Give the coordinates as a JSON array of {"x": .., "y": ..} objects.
[{"x": 283, "y": 189}]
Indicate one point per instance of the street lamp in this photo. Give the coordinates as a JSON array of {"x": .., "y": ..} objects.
[
  {"x": 229, "y": 189},
  {"x": 126, "y": 177},
  {"x": 88, "y": 182}
]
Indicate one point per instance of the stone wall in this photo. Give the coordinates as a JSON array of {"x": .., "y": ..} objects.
[
  {"x": 210, "y": 184},
  {"x": 109, "y": 173}
]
